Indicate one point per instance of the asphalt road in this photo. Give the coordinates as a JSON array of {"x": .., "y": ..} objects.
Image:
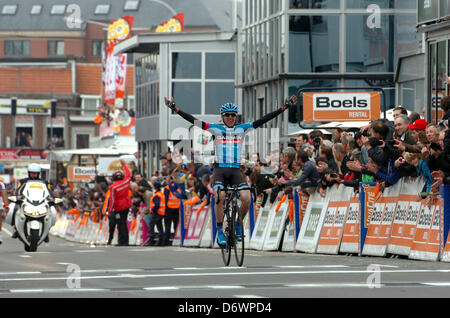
[{"x": 66, "y": 269}]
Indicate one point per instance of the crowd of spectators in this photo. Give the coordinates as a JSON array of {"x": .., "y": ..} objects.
[{"x": 383, "y": 151}]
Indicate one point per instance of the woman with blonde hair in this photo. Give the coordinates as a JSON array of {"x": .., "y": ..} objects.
[{"x": 422, "y": 168}]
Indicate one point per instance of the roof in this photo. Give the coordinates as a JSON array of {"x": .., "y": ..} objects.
[
  {"x": 149, "y": 42},
  {"x": 212, "y": 14}
]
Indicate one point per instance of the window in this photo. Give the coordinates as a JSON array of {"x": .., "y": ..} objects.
[
  {"x": 36, "y": 9},
  {"x": 217, "y": 94},
  {"x": 55, "y": 137},
  {"x": 82, "y": 141},
  {"x": 369, "y": 50},
  {"x": 102, "y": 8},
  {"x": 147, "y": 86},
  {"x": 97, "y": 48},
  {"x": 203, "y": 80},
  {"x": 17, "y": 48},
  {"x": 316, "y": 40},
  {"x": 9, "y": 9},
  {"x": 90, "y": 105},
  {"x": 55, "y": 48},
  {"x": 383, "y": 4},
  {"x": 190, "y": 96},
  {"x": 219, "y": 65},
  {"x": 58, "y": 9},
  {"x": 315, "y": 4},
  {"x": 131, "y": 5},
  {"x": 186, "y": 65},
  {"x": 24, "y": 137}
]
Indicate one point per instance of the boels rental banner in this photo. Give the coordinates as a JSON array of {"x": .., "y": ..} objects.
[
  {"x": 367, "y": 195},
  {"x": 348, "y": 106}
]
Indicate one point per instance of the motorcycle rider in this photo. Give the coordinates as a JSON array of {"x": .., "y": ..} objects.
[{"x": 34, "y": 172}]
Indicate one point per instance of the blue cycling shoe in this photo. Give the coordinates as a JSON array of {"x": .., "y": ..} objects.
[
  {"x": 221, "y": 240},
  {"x": 238, "y": 232}
]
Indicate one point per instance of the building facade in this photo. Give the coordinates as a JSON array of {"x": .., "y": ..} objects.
[
  {"x": 290, "y": 45},
  {"x": 45, "y": 56},
  {"x": 434, "y": 24}
]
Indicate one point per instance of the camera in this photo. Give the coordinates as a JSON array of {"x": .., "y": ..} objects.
[
  {"x": 444, "y": 123},
  {"x": 435, "y": 146}
]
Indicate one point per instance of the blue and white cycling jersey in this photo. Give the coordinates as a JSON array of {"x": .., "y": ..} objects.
[{"x": 228, "y": 143}]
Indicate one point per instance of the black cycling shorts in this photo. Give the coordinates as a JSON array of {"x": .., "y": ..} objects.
[{"x": 223, "y": 177}]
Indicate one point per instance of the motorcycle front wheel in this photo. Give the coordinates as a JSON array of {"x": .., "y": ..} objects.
[{"x": 34, "y": 239}]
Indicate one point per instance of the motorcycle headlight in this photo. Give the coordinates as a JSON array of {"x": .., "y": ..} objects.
[{"x": 35, "y": 210}]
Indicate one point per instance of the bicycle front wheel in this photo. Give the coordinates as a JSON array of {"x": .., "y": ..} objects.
[
  {"x": 226, "y": 250},
  {"x": 239, "y": 237}
]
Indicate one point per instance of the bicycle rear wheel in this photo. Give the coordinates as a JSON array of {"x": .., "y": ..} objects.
[
  {"x": 226, "y": 250},
  {"x": 239, "y": 238}
]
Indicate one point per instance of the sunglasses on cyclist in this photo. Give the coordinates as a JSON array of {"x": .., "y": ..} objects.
[{"x": 229, "y": 114}]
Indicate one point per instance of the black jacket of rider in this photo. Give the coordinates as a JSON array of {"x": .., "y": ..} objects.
[{"x": 22, "y": 182}]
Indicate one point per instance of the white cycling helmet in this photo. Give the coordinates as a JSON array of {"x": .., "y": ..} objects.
[{"x": 34, "y": 167}]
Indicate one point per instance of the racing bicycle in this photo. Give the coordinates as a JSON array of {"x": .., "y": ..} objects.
[{"x": 232, "y": 216}]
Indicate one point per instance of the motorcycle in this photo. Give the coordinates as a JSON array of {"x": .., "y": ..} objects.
[{"x": 33, "y": 214}]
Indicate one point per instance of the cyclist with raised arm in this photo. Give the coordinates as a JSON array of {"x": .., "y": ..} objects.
[{"x": 228, "y": 145}]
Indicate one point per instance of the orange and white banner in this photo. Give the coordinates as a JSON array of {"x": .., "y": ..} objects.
[
  {"x": 333, "y": 226},
  {"x": 406, "y": 217},
  {"x": 381, "y": 222},
  {"x": 427, "y": 241},
  {"x": 348, "y": 106},
  {"x": 350, "y": 237}
]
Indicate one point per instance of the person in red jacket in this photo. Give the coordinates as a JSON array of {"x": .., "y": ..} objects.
[{"x": 119, "y": 203}]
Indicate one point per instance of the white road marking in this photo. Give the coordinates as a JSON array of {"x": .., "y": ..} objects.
[
  {"x": 6, "y": 231},
  {"x": 224, "y": 287},
  {"x": 161, "y": 288},
  {"x": 223, "y": 273},
  {"x": 248, "y": 296},
  {"x": 437, "y": 283}
]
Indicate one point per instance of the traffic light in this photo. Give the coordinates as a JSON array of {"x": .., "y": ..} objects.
[
  {"x": 13, "y": 106},
  {"x": 53, "y": 109}
]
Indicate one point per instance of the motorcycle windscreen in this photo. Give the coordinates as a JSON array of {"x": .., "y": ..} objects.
[{"x": 36, "y": 191}]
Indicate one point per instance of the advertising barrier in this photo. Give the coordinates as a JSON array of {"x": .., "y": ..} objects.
[
  {"x": 351, "y": 235},
  {"x": 428, "y": 239},
  {"x": 381, "y": 222},
  {"x": 406, "y": 217},
  {"x": 261, "y": 227},
  {"x": 276, "y": 224},
  {"x": 312, "y": 224},
  {"x": 333, "y": 226}
]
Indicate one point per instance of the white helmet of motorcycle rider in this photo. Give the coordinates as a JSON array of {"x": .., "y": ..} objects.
[{"x": 34, "y": 171}]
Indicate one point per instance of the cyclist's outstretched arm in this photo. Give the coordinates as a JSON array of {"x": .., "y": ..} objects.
[
  {"x": 272, "y": 115},
  {"x": 188, "y": 117}
]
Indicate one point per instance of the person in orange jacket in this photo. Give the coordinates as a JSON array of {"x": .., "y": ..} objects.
[
  {"x": 119, "y": 203},
  {"x": 157, "y": 211}
]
